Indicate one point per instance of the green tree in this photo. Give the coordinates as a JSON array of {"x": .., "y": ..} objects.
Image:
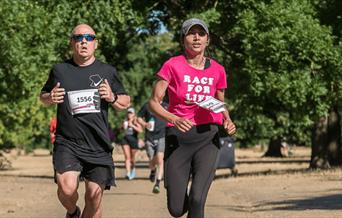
[
  {"x": 35, "y": 36},
  {"x": 283, "y": 65},
  {"x": 146, "y": 57},
  {"x": 286, "y": 59}
]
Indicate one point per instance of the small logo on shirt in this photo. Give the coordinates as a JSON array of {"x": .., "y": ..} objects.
[{"x": 95, "y": 80}]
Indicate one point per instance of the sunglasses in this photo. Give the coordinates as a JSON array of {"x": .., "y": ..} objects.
[{"x": 80, "y": 37}]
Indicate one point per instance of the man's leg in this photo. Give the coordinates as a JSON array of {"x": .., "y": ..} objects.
[
  {"x": 160, "y": 163},
  {"x": 93, "y": 197},
  {"x": 160, "y": 157},
  {"x": 67, "y": 189},
  {"x": 151, "y": 158},
  {"x": 153, "y": 169}
]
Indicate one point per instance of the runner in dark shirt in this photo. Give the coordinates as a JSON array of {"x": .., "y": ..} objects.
[
  {"x": 83, "y": 88},
  {"x": 130, "y": 142},
  {"x": 154, "y": 143}
]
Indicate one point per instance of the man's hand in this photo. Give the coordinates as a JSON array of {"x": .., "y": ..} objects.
[
  {"x": 106, "y": 92},
  {"x": 57, "y": 94}
]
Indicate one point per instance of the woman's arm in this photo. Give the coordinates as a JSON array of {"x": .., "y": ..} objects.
[
  {"x": 136, "y": 126},
  {"x": 228, "y": 124},
  {"x": 155, "y": 106}
]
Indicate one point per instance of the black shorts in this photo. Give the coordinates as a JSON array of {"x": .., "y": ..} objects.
[
  {"x": 64, "y": 160},
  {"x": 131, "y": 141}
]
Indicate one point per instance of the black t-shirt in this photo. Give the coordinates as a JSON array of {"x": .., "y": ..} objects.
[
  {"x": 90, "y": 130},
  {"x": 159, "y": 126}
]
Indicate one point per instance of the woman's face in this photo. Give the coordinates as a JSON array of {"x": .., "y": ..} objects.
[
  {"x": 196, "y": 40},
  {"x": 130, "y": 116}
]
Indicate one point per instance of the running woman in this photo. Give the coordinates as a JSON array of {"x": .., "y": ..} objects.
[
  {"x": 192, "y": 143},
  {"x": 130, "y": 142}
]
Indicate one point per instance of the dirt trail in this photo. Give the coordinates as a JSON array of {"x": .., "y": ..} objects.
[{"x": 28, "y": 190}]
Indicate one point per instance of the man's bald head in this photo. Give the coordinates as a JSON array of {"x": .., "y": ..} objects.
[
  {"x": 83, "y": 29},
  {"x": 83, "y": 43}
]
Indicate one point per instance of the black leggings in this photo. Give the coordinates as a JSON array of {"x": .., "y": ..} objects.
[{"x": 191, "y": 154}]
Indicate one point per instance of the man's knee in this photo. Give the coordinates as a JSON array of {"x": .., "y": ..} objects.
[
  {"x": 67, "y": 184},
  {"x": 93, "y": 194}
]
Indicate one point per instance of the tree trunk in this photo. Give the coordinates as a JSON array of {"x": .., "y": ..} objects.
[
  {"x": 334, "y": 136},
  {"x": 326, "y": 141},
  {"x": 274, "y": 148}
]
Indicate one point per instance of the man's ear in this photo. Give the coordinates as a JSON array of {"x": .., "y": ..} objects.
[{"x": 96, "y": 43}]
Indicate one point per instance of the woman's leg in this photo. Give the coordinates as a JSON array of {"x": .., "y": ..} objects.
[
  {"x": 203, "y": 172},
  {"x": 127, "y": 152},
  {"x": 133, "y": 153},
  {"x": 177, "y": 172}
]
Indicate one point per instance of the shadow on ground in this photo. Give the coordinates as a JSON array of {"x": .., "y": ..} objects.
[{"x": 329, "y": 202}]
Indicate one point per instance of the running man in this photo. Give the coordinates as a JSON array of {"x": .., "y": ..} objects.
[
  {"x": 83, "y": 88},
  {"x": 154, "y": 143}
]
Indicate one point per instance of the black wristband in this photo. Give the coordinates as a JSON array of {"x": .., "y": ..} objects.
[{"x": 115, "y": 98}]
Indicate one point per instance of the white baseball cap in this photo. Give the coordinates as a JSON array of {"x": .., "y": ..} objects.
[{"x": 130, "y": 110}]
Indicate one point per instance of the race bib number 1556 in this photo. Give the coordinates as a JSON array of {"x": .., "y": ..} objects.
[{"x": 84, "y": 101}]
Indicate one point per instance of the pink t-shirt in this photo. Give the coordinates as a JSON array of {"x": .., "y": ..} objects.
[{"x": 189, "y": 84}]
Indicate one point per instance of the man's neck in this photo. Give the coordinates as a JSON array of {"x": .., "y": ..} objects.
[{"x": 82, "y": 62}]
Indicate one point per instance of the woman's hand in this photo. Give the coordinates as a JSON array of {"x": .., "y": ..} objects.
[
  {"x": 229, "y": 126},
  {"x": 182, "y": 124}
]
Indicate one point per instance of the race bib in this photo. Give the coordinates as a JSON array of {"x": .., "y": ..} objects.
[
  {"x": 212, "y": 104},
  {"x": 84, "y": 101}
]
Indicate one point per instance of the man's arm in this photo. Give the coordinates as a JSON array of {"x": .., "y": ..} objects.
[
  {"x": 122, "y": 102},
  {"x": 118, "y": 102},
  {"x": 56, "y": 96}
]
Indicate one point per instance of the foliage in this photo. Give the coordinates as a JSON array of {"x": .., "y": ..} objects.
[
  {"x": 146, "y": 57},
  {"x": 287, "y": 64},
  {"x": 34, "y": 37},
  {"x": 283, "y": 58}
]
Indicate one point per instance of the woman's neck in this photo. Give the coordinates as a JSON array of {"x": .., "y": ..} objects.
[{"x": 196, "y": 61}]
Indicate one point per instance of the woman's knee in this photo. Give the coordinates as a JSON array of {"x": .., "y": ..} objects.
[
  {"x": 177, "y": 206},
  {"x": 176, "y": 210},
  {"x": 197, "y": 200}
]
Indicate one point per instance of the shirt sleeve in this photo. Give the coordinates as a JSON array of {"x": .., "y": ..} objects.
[
  {"x": 50, "y": 83},
  {"x": 116, "y": 84},
  {"x": 143, "y": 111},
  {"x": 222, "y": 80},
  {"x": 165, "y": 72}
]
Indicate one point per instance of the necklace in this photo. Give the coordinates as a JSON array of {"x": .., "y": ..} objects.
[{"x": 199, "y": 65}]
